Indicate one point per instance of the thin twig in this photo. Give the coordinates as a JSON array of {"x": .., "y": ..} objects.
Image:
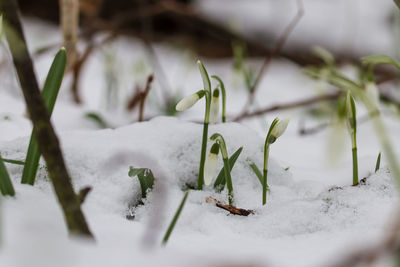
[
  {"x": 277, "y": 48},
  {"x": 296, "y": 104},
  {"x": 144, "y": 96},
  {"x": 232, "y": 209},
  {"x": 77, "y": 68}
]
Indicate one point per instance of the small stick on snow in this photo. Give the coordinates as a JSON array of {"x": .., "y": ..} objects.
[{"x": 231, "y": 209}]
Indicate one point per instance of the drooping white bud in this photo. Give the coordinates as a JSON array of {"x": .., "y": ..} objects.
[
  {"x": 280, "y": 128},
  {"x": 189, "y": 101},
  {"x": 211, "y": 164},
  {"x": 214, "y": 107},
  {"x": 372, "y": 94}
]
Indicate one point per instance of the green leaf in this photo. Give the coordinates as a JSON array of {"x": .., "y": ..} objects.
[
  {"x": 379, "y": 60},
  {"x": 204, "y": 76},
  {"x": 259, "y": 175},
  {"x": 146, "y": 178},
  {"x": 50, "y": 91},
  {"x": 6, "y": 187},
  {"x": 220, "y": 182},
  {"x": 175, "y": 219},
  {"x": 257, "y": 172},
  {"x": 378, "y": 162},
  {"x": 97, "y": 119},
  {"x": 13, "y": 161}
]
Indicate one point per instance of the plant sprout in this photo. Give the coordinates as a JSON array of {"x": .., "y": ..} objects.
[
  {"x": 211, "y": 164},
  {"x": 352, "y": 128},
  {"x": 189, "y": 101},
  {"x": 223, "y": 93},
  {"x": 276, "y": 129}
]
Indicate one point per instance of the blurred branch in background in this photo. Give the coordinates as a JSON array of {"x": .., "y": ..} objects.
[{"x": 69, "y": 12}]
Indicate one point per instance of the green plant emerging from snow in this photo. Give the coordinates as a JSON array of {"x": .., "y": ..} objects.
[
  {"x": 211, "y": 164},
  {"x": 276, "y": 129},
  {"x": 211, "y": 111},
  {"x": 352, "y": 128}
]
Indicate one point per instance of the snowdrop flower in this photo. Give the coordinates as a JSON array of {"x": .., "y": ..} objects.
[
  {"x": 189, "y": 100},
  {"x": 214, "y": 108},
  {"x": 278, "y": 129},
  {"x": 211, "y": 164},
  {"x": 372, "y": 94}
]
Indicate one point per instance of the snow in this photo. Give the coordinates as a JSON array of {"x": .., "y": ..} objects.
[{"x": 313, "y": 215}]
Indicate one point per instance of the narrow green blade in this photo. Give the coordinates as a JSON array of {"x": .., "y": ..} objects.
[
  {"x": 146, "y": 178},
  {"x": 257, "y": 172},
  {"x": 50, "y": 91},
  {"x": 378, "y": 162},
  {"x": 97, "y": 119},
  {"x": 13, "y": 161},
  {"x": 220, "y": 182},
  {"x": 6, "y": 187},
  {"x": 175, "y": 219}
]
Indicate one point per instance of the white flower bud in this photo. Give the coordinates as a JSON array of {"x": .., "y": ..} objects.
[
  {"x": 211, "y": 164},
  {"x": 189, "y": 101},
  {"x": 280, "y": 128},
  {"x": 372, "y": 94},
  {"x": 214, "y": 107}
]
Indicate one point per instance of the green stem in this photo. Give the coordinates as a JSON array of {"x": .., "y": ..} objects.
[
  {"x": 265, "y": 173},
  {"x": 222, "y": 145},
  {"x": 228, "y": 179},
  {"x": 200, "y": 181},
  {"x": 355, "y": 166},
  {"x": 203, "y": 152}
]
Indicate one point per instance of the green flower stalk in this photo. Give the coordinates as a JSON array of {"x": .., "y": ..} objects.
[
  {"x": 212, "y": 163},
  {"x": 352, "y": 128},
  {"x": 276, "y": 129},
  {"x": 223, "y": 93},
  {"x": 189, "y": 101}
]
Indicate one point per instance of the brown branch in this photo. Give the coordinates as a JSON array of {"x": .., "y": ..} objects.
[
  {"x": 230, "y": 208},
  {"x": 47, "y": 140},
  {"x": 144, "y": 96},
  {"x": 274, "y": 52},
  {"x": 77, "y": 68},
  {"x": 296, "y": 104}
]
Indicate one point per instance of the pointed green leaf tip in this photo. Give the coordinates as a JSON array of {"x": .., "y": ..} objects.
[
  {"x": 379, "y": 60},
  {"x": 145, "y": 176},
  {"x": 204, "y": 76},
  {"x": 6, "y": 187}
]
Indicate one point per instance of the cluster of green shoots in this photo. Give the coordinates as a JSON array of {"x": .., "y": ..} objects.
[
  {"x": 49, "y": 93},
  {"x": 366, "y": 92}
]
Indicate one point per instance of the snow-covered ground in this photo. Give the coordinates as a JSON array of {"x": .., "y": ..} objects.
[{"x": 308, "y": 220}]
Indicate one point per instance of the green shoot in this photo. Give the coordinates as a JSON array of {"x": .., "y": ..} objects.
[
  {"x": 223, "y": 92},
  {"x": 352, "y": 128},
  {"x": 276, "y": 129},
  {"x": 378, "y": 162},
  {"x": 175, "y": 219},
  {"x": 189, "y": 101},
  {"x": 6, "y": 187},
  {"x": 101, "y": 123},
  {"x": 146, "y": 179},
  {"x": 49, "y": 94},
  {"x": 221, "y": 143},
  {"x": 220, "y": 182}
]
